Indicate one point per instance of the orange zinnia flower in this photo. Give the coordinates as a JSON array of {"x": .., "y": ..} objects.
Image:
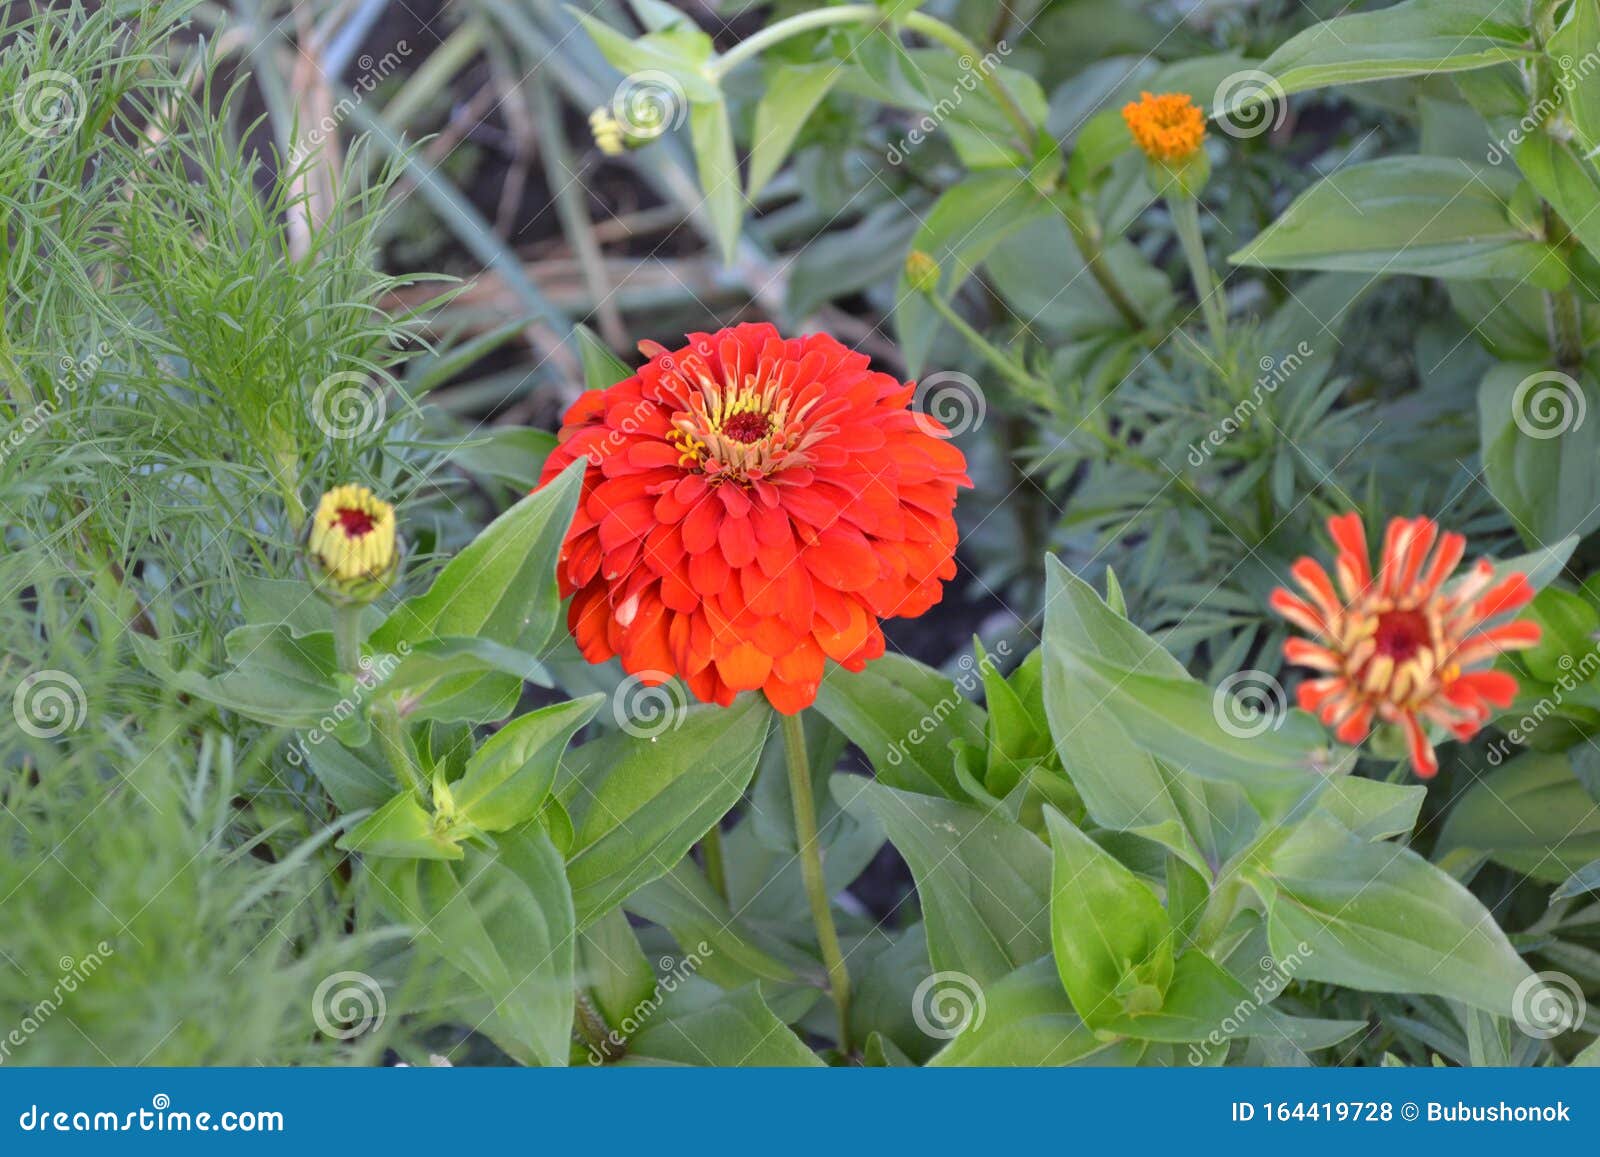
[
  {"x": 1167, "y": 127},
  {"x": 752, "y": 506},
  {"x": 1399, "y": 646}
]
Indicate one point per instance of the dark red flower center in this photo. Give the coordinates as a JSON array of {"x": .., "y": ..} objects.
[
  {"x": 353, "y": 522},
  {"x": 747, "y": 427},
  {"x": 1401, "y": 634}
]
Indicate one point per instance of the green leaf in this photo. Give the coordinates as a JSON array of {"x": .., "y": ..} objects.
[
  {"x": 1112, "y": 938},
  {"x": 639, "y": 804},
  {"x": 1572, "y": 49},
  {"x": 602, "y": 369},
  {"x": 1566, "y": 180},
  {"x": 1585, "y": 879},
  {"x": 1025, "y": 1019},
  {"x": 1532, "y": 815},
  {"x": 680, "y": 52},
  {"x": 790, "y": 93},
  {"x": 402, "y": 827},
  {"x": 504, "y": 917},
  {"x": 508, "y": 778},
  {"x": 1408, "y": 39},
  {"x": 1429, "y": 216},
  {"x": 904, "y": 716},
  {"x": 612, "y": 968},
  {"x": 700, "y": 1024},
  {"x": 279, "y": 678},
  {"x": 982, "y": 881},
  {"x": 1541, "y": 448},
  {"x": 711, "y": 130},
  {"x": 1380, "y": 917},
  {"x": 684, "y": 903}
]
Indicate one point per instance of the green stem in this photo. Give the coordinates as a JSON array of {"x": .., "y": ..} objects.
[
  {"x": 753, "y": 46},
  {"x": 716, "y": 866},
  {"x": 1186, "y": 221},
  {"x": 391, "y": 735},
  {"x": 347, "y": 638},
  {"x": 592, "y": 1028},
  {"x": 805, "y": 830},
  {"x": 1031, "y": 387},
  {"x": 952, "y": 39},
  {"x": 1087, "y": 236}
]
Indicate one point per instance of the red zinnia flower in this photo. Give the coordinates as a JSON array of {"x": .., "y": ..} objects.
[
  {"x": 752, "y": 506},
  {"x": 1399, "y": 645}
]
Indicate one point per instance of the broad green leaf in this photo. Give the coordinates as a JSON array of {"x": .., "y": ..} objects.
[
  {"x": 1540, "y": 430},
  {"x": 504, "y": 917},
  {"x": 1572, "y": 49},
  {"x": 278, "y": 678},
  {"x": 1381, "y": 918},
  {"x": 1563, "y": 178},
  {"x": 711, "y": 130},
  {"x": 789, "y": 95},
  {"x": 1429, "y": 216},
  {"x": 402, "y": 827},
  {"x": 1025, "y": 1019},
  {"x": 513, "y": 455},
  {"x": 679, "y": 52},
  {"x": 613, "y": 969},
  {"x": 904, "y": 716},
  {"x": 983, "y": 882},
  {"x": 685, "y": 904},
  {"x": 1532, "y": 815},
  {"x": 1112, "y": 938},
  {"x": 1408, "y": 39},
  {"x": 700, "y": 1024},
  {"x": 638, "y": 804},
  {"x": 508, "y": 778}
]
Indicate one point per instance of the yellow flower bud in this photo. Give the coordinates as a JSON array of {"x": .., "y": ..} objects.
[
  {"x": 608, "y": 132},
  {"x": 352, "y": 544},
  {"x": 922, "y": 272}
]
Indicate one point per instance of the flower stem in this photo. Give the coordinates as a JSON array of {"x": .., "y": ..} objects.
[
  {"x": 753, "y": 46},
  {"x": 391, "y": 735},
  {"x": 716, "y": 866},
  {"x": 1086, "y": 235},
  {"x": 805, "y": 830},
  {"x": 1186, "y": 221},
  {"x": 347, "y": 638}
]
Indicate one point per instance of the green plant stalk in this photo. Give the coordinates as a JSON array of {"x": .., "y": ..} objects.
[
  {"x": 1088, "y": 237},
  {"x": 1031, "y": 387},
  {"x": 592, "y": 1028},
  {"x": 1186, "y": 221},
  {"x": 347, "y": 638},
  {"x": 810, "y": 851},
  {"x": 391, "y": 734},
  {"x": 716, "y": 864}
]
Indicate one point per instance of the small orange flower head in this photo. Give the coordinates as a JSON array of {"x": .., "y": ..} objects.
[
  {"x": 753, "y": 506},
  {"x": 1169, "y": 128},
  {"x": 1400, "y": 646}
]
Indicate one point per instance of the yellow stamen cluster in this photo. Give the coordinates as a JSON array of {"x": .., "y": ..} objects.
[
  {"x": 1167, "y": 127},
  {"x": 353, "y": 535},
  {"x": 608, "y": 132},
  {"x": 743, "y": 430}
]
